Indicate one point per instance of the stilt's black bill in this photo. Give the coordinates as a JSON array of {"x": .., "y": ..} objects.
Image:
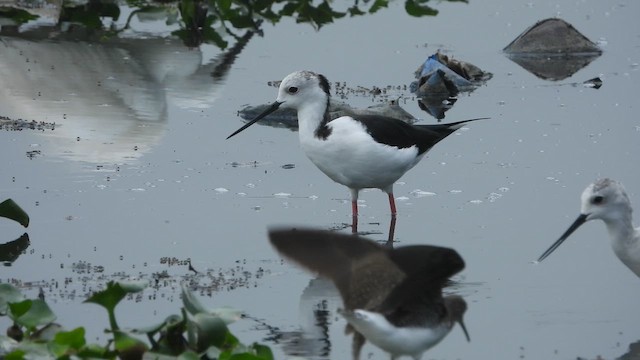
[
  {"x": 271, "y": 109},
  {"x": 464, "y": 328},
  {"x": 576, "y": 224}
]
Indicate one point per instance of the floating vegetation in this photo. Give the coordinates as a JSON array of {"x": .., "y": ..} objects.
[
  {"x": 90, "y": 277},
  {"x": 9, "y": 124}
]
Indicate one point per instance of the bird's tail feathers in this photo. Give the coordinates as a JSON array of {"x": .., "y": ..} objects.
[{"x": 458, "y": 124}]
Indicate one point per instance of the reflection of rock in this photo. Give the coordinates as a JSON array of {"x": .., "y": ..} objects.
[
  {"x": 108, "y": 99},
  {"x": 552, "y": 68},
  {"x": 10, "y": 251},
  {"x": 289, "y": 118},
  {"x": 552, "y": 49}
]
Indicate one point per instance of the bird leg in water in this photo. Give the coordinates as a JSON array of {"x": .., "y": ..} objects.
[
  {"x": 392, "y": 205},
  {"x": 392, "y": 231}
]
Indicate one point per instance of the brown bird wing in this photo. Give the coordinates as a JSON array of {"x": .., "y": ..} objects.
[
  {"x": 427, "y": 269},
  {"x": 361, "y": 269}
]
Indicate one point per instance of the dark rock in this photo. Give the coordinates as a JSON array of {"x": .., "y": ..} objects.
[{"x": 552, "y": 36}]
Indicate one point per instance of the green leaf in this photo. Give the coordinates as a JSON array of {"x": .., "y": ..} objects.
[
  {"x": 377, "y": 5},
  {"x": 249, "y": 356},
  {"x": 224, "y": 5},
  {"x": 244, "y": 356},
  {"x": 93, "y": 351},
  {"x": 8, "y": 294},
  {"x": 241, "y": 21},
  {"x": 191, "y": 303},
  {"x": 414, "y": 9},
  {"x": 10, "y": 210},
  {"x": 74, "y": 339},
  {"x": 212, "y": 37},
  {"x": 289, "y": 9},
  {"x": 15, "y": 355},
  {"x": 115, "y": 292},
  {"x": 210, "y": 331},
  {"x": 355, "y": 11},
  {"x": 18, "y": 309},
  {"x": 124, "y": 341},
  {"x": 263, "y": 352},
  {"x": 109, "y": 297},
  {"x": 31, "y": 313},
  {"x": 128, "y": 347}
]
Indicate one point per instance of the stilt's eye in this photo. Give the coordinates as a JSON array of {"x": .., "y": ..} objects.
[
  {"x": 292, "y": 90},
  {"x": 597, "y": 200}
]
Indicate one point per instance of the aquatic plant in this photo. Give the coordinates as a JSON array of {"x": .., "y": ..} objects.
[{"x": 197, "y": 333}]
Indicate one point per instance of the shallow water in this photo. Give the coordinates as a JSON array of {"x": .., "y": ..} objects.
[{"x": 137, "y": 173}]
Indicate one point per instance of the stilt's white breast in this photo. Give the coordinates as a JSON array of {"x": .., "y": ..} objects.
[{"x": 350, "y": 156}]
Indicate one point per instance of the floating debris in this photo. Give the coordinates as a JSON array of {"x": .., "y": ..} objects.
[
  {"x": 441, "y": 75},
  {"x": 441, "y": 79},
  {"x": 594, "y": 83},
  {"x": 32, "y": 154}
]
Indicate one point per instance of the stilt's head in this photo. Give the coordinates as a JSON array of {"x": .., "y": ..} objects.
[
  {"x": 302, "y": 87},
  {"x": 605, "y": 199},
  {"x": 297, "y": 90},
  {"x": 456, "y": 307}
]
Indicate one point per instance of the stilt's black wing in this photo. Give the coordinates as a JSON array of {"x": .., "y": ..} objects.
[{"x": 394, "y": 132}]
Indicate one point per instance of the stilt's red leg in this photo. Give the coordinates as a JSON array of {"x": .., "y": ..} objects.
[
  {"x": 392, "y": 205},
  {"x": 354, "y": 208},
  {"x": 392, "y": 231},
  {"x": 354, "y": 218}
]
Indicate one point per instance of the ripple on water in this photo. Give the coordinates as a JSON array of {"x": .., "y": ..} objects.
[{"x": 421, "y": 193}]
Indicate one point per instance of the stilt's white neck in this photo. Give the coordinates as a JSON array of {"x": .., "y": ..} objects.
[
  {"x": 625, "y": 241},
  {"x": 310, "y": 117}
]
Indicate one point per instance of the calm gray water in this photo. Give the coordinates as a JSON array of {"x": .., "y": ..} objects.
[{"x": 137, "y": 171}]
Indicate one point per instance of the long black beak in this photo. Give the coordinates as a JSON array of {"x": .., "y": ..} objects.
[
  {"x": 576, "y": 224},
  {"x": 271, "y": 109},
  {"x": 464, "y": 328}
]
